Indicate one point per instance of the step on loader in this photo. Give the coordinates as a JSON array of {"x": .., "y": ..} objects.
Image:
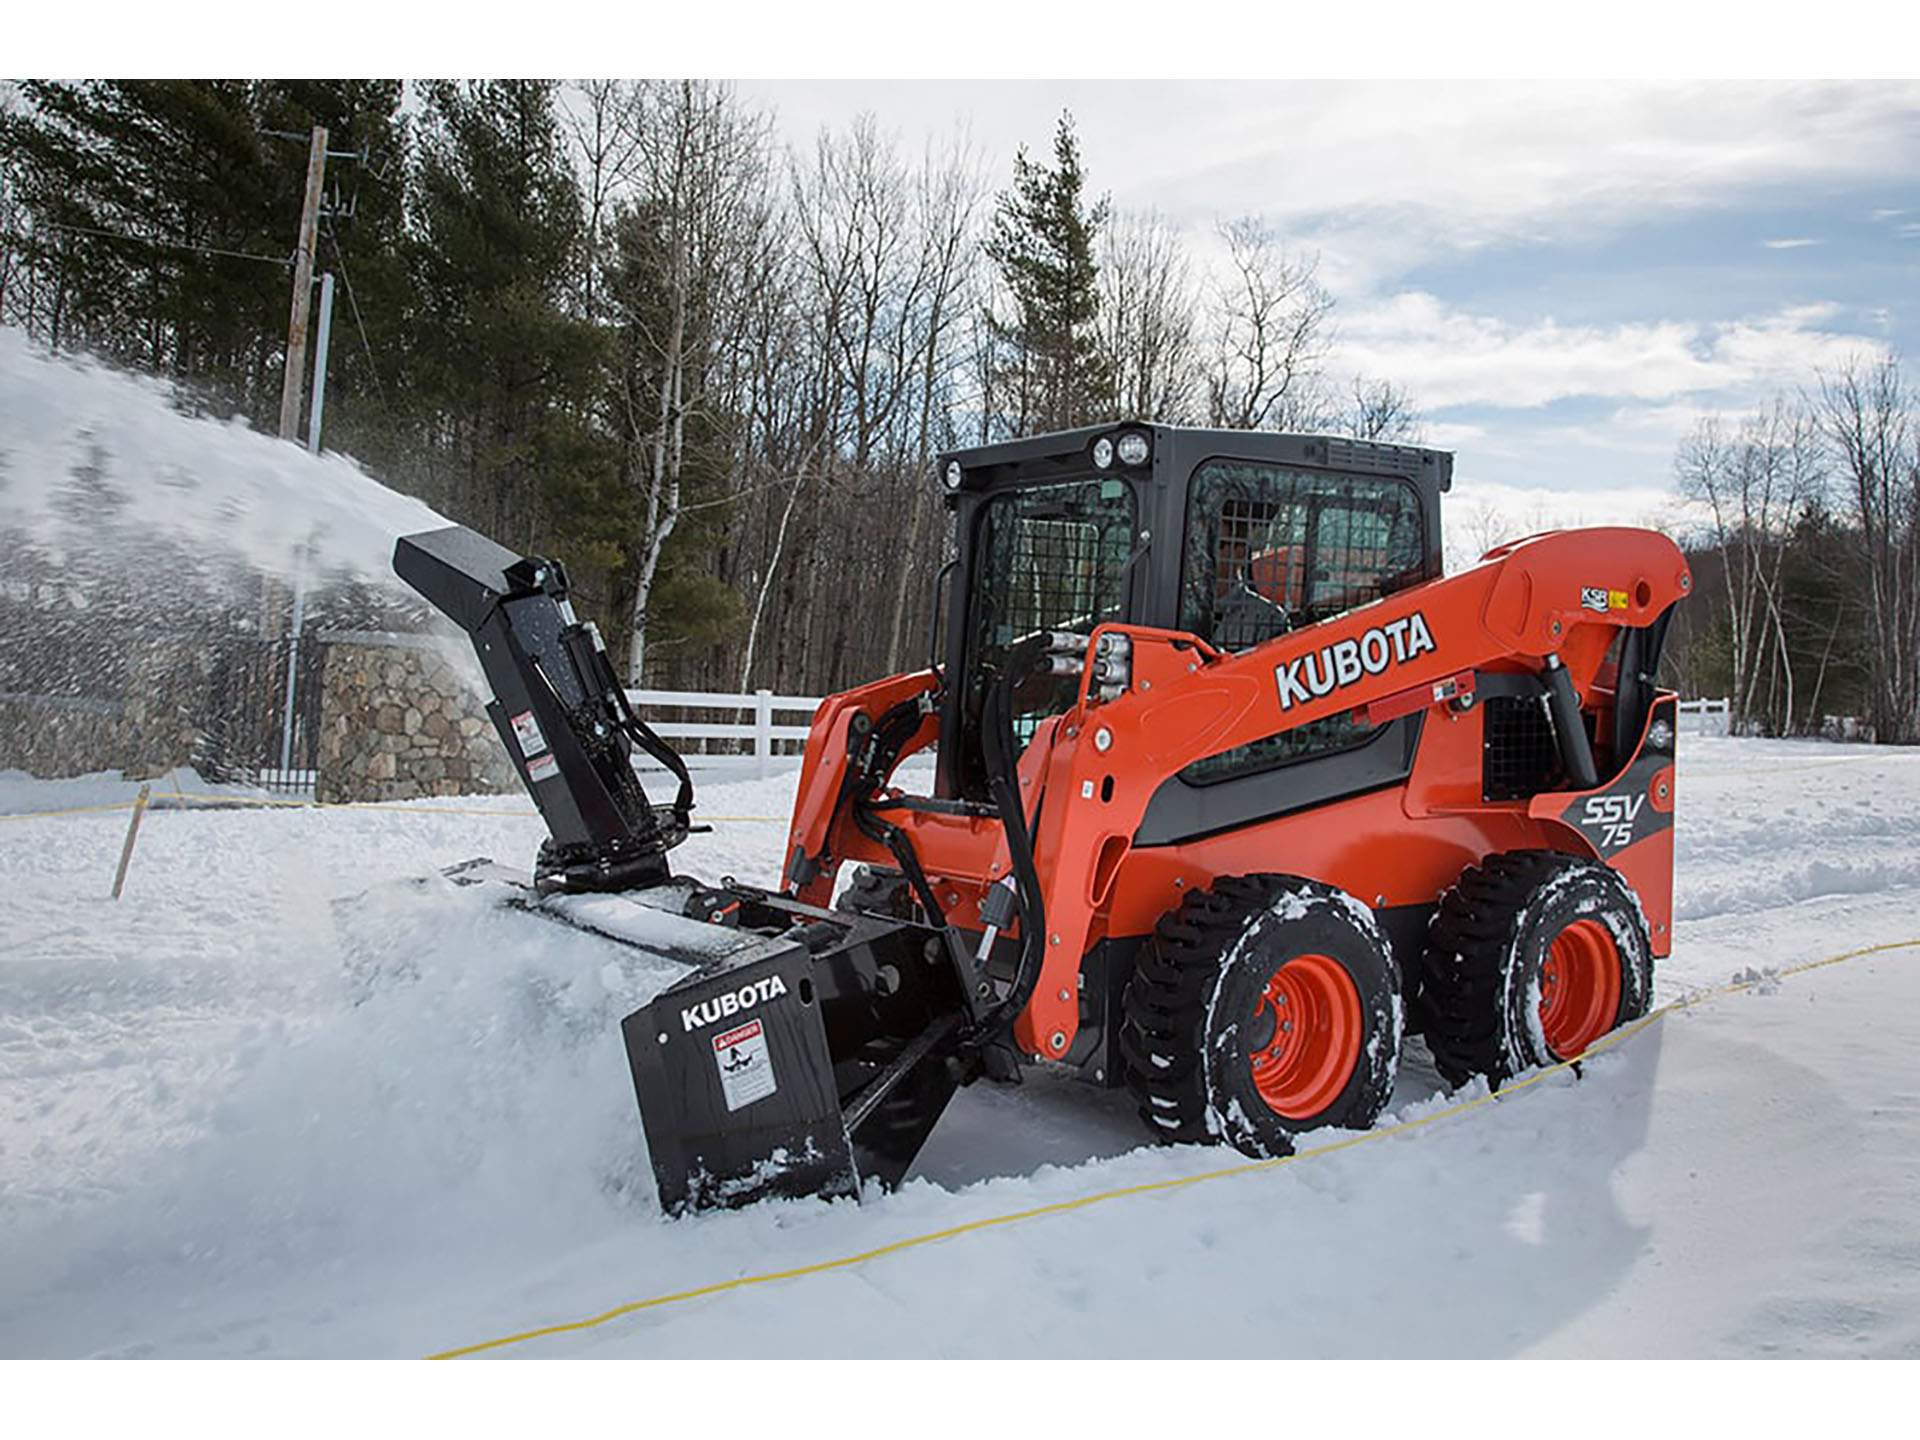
[{"x": 1233, "y": 789}]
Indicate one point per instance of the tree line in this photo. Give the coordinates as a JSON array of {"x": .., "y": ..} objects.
[
  {"x": 1808, "y": 606},
  {"x": 623, "y": 323}
]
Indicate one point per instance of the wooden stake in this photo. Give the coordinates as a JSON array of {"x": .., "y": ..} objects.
[{"x": 133, "y": 831}]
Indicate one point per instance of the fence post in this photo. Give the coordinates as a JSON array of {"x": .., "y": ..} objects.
[{"x": 762, "y": 732}]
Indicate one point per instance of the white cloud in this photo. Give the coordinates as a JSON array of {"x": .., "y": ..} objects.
[
  {"x": 1383, "y": 176},
  {"x": 1451, "y": 435},
  {"x": 1383, "y": 171},
  {"x": 1447, "y": 357},
  {"x": 1794, "y": 244}
]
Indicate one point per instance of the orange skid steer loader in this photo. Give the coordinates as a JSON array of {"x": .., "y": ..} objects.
[{"x": 1232, "y": 789}]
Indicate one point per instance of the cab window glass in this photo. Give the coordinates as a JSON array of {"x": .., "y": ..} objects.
[{"x": 1268, "y": 550}]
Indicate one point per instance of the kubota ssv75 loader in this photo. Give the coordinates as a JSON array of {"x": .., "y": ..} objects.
[{"x": 1232, "y": 789}]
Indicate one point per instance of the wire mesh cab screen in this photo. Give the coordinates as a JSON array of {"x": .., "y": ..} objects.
[
  {"x": 1270, "y": 549},
  {"x": 1050, "y": 558}
]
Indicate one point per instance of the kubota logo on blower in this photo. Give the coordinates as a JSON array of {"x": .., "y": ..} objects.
[
  {"x": 1345, "y": 661},
  {"x": 733, "y": 1002}
]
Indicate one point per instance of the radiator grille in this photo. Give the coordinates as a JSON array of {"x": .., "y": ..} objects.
[{"x": 1518, "y": 756}]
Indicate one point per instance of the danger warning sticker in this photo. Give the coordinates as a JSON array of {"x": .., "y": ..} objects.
[
  {"x": 746, "y": 1069},
  {"x": 527, "y": 730},
  {"x": 545, "y": 767}
]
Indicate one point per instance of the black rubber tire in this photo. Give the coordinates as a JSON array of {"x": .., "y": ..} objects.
[
  {"x": 1184, "y": 1040},
  {"x": 1478, "y": 1005},
  {"x": 874, "y": 891}
]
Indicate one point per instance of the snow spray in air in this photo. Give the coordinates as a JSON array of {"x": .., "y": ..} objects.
[{"x": 91, "y": 457}]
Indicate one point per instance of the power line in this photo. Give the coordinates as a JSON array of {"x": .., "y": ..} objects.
[
  {"x": 282, "y": 261},
  {"x": 353, "y": 304}
]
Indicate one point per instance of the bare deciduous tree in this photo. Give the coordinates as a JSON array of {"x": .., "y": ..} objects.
[
  {"x": 1146, "y": 321},
  {"x": 1755, "y": 484},
  {"x": 1865, "y": 412},
  {"x": 1377, "y": 410},
  {"x": 602, "y": 129},
  {"x": 703, "y": 183},
  {"x": 1269, "y": 340}
]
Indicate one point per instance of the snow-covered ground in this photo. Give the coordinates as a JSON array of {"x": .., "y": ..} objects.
[{"x": 284, "y": 1100}]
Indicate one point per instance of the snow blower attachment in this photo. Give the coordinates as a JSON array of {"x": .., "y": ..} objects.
[
  {"x": 559, "y": 710},
  {"x": 809, "y": 1049},
  {"x": 1232, "y": 788}
]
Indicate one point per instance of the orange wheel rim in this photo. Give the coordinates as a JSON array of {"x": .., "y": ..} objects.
[
  {"x": 1314, "y": 1046},
  {"x": 1579, "y": 987}
]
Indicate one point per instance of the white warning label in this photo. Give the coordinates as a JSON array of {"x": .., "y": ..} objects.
[
  {"x": 527, "y": 730},
  {"x": 746, "y": 1069},
  {"x": 543, "y": 768}
]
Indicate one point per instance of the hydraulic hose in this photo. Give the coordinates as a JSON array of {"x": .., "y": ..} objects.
[
  {"x": 1003, "y": 782},
  {"x": 643, "y": 735},
  {"x": 879, "y": 752}
]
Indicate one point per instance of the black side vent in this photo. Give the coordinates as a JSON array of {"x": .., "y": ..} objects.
[{"x": 1518, "y": 757}]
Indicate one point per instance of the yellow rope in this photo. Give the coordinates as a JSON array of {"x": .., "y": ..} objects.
[
  {"x": 79, "y": 810},
  {"x": 392, "y": 807},
  {"x": 1606, "y": 1042}
]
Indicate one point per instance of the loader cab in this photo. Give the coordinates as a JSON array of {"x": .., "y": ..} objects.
[{"x": 1234, "y": 536}]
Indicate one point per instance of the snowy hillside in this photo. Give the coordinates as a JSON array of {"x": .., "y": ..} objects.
[{"x": 282, "y": 1101}]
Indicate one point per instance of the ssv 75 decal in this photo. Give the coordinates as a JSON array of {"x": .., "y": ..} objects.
[{"x": 1613, "y": 817}]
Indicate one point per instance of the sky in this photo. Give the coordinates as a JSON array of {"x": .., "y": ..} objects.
[{"x": 1565, "y": 275}]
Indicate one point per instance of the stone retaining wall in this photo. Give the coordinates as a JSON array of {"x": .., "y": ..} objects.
[
  {"x": 400, "y": 718},
  {"x": 143, "y": 733}
]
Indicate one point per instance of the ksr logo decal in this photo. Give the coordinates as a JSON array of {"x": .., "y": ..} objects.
[{"x": 1614, "y": 815}]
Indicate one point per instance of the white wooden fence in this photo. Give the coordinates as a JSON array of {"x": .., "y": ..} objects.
[
  {"x": 1708, "y": 710},
  {"x": 752, "y": 741},
  {"x": 749, "y": 741}
]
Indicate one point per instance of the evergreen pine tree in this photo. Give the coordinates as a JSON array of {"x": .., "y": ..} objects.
[
  {"x": 1047, "y": 370},
  {"x": 510, "y": 373},
  {"x": 145, "y": 200}
]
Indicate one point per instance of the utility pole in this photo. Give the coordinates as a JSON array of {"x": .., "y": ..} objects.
[
  {"x": 302, "y": 288},
  {"x": 319, "y": 405}
]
